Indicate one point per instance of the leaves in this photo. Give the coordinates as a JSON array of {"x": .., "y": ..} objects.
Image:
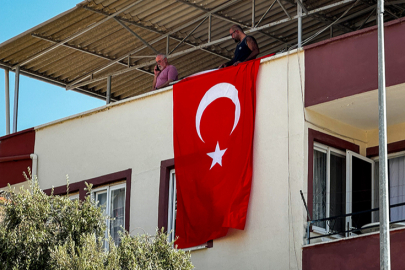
[{"x": 38, "y": 231}]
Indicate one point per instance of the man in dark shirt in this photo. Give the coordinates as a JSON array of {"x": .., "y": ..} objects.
[{"x": 246, "y": 49}]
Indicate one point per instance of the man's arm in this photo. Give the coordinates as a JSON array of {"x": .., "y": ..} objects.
[
  {"x": 172, "y": 76},
  {"x": 227, "y": 64},
  {"x": 156, "y": 72},
  {"x": 252, "y": 44},
  {"x": 166, "y": 84}
]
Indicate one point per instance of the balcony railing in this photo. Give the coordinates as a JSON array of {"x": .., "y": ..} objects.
[{"x": 334, "y": 231}]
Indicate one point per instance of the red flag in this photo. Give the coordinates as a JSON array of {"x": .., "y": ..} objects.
[{"x": 213, "y": 122}]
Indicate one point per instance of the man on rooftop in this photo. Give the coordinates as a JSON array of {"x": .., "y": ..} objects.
[
  {"x": 164, "y": 73},
  {"x": 246, "y": 49}
]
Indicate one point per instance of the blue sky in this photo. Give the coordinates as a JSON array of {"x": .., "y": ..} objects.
[{"x": 39, "y": 102}]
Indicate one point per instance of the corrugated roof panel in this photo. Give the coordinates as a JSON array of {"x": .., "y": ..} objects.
[{"x": 91, "y": 54}]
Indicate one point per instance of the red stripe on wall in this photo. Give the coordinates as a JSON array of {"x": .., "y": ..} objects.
[
  {"x": 354, "y": 253},
  {"x": 15, "y": 150},
  {"x": 347, "y": 65}
]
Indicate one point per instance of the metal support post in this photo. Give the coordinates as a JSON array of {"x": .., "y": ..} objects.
[
  {"x": 253, "y": 13},
  {"x": 16, "y": 92},
  {"x": 385, "y": 260},
  {"x": 167, "y": 45},
  {"x": 299, "y": 14},
  {"x": 108, "y": 99},
  {"x": 7, "y": 90},
  {"x": 209, "y": 27}
]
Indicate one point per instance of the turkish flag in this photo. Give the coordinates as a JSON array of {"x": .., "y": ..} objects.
[{"x": 213, "y": 123}]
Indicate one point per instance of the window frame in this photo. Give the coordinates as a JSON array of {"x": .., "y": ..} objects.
[
  {"x": 328, "y": 150},
  {"x": 331, "y": 141},
  {"x": 108, "y": 189},
  {"x": 108, "y": 179},
  {"x": 316, "y": 138},
  {"x": 166, "y": 167},
  {"x": 389, "y": 156}
]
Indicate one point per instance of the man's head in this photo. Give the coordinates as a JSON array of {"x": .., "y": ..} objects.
[
  {"x": 161, "y": 61},
  {"x": 236, "y": 33}
]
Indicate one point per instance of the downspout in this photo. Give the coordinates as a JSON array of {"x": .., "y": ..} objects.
[{"x": 34, "y": 172}]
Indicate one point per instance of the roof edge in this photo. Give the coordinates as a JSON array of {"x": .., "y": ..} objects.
[{"x": 16, "y": 133}]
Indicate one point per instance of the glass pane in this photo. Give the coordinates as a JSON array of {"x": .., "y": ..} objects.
[
  {"x": 361, "y": 192},
  {"x": 117, "y": 213},
  {"x": 319, "y": 188},
  {"x": 397, "y": 187},
  {"x": 337, "y": 205},
  {"x": 102, "y": 200},
  {"x": 376, "y": 201}
]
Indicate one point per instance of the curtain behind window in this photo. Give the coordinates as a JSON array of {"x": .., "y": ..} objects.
[
  {"x": 397, "y": 187},
  {"x": 117, "y": 213},
  {"x": 319, "y": 188}
]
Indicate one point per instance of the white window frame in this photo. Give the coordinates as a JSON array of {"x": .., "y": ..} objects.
[
  {"x": 349, "y": 177},
  {"x": 108, "y": 189},
  {"x": 327, "y": 150},
  {"x": 389, "y": 156},
  {"x": 349, "y": 199},
  {"x": 172, "y": 212},
  {"x": 74, "y": 197}
]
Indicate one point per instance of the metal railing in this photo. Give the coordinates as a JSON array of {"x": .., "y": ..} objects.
[{"x": 345, "y": 231}]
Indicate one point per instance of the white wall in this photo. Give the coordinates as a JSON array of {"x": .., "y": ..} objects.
[{"x": 138, "y": 134}]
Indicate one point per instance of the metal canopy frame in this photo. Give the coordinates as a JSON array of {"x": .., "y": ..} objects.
[
  {"x": 196, "y": 29},
  {"x": 201, "y": 19}
]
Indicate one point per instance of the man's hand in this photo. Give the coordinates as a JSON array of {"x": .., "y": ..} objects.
[
  {"x": 156, "y": 70},
  {"x": 236, "y": 63},
  {"x": 222, "y": 66}
]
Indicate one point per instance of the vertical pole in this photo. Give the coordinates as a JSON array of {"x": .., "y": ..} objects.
[
  {"x": 16, "y": 92},
  {"x": 253, "y": 13},
  {"x": 299, "y": 13},
  {"x": 331, "y": 31},
  {"x": 167, "y": 45},
  {"x": 7, "y": 90},
  {"x": 209, "y": 28},
  {"x": 385, "y": 261},
  {"x": 108, "y": 90}
]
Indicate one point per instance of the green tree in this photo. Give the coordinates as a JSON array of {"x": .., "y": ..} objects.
[{"x": 38, "y": 231}]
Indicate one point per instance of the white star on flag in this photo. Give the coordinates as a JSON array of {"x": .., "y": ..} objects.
[{"x": 216, "y": 156}]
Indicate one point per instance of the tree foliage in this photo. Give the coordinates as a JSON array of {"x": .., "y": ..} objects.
[{"x": 38, "y": 231}]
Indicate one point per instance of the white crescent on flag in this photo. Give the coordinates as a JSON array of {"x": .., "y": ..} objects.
[{"x": 219, "y": 90}]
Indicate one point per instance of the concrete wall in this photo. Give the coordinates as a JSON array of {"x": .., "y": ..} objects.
[{"x": 137, "y": 134}]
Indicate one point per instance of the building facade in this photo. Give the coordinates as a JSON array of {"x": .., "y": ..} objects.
[{"x": 316, "y": 132}]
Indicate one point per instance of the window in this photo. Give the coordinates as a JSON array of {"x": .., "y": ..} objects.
[
  {"x": 342, "y": 184},
  {"x": 396, "y": 183},
  {"x": 112, "y": 200},
  {"x": 113, "y": 191},
  {"x": 168, "y": 202},
  {"x": 74, "y": 196},
  {"x": 172, "y": 211},
  {"x": 329, "y": 195}
]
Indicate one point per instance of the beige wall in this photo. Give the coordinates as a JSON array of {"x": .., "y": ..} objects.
[
  {"x": 137, "y": 134},
  {"x": 395, "y": 133}
]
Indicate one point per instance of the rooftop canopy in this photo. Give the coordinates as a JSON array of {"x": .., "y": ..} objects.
[{"x": 80, "y": 48}]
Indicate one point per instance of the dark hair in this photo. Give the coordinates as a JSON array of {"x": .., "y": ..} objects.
[{"x": 236, "y": 27}]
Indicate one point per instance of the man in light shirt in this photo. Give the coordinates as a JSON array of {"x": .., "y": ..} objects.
[{"x": 164, "y": 73}]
